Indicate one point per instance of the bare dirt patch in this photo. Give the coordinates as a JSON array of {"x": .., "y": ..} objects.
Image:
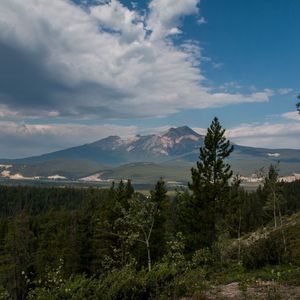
[{"x": 259, "y": 291}]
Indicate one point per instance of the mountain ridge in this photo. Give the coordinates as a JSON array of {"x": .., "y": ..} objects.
[
  {"x": 115, "y": 150},
  {"x": 174, "y": 148}
]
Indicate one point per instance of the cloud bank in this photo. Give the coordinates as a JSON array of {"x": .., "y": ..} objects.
[{"x": 102, "y": 61}]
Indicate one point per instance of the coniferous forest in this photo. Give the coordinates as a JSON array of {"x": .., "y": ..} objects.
[{"x": 118, "y": 243}]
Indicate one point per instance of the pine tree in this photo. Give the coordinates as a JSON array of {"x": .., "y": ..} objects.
[
  {"x": 129, "y": 190},
  {"x": 159, "y": 193},
  {"x": 234, "y": 212},
  {"x": 272, "y": 193},
  {"x": 159, "y": 196},
  {"x": 273, "y": 190},
  {"x": 210, "y": 184}
]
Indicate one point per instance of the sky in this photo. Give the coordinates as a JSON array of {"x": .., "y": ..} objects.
[{"x": 73, "y": 72}]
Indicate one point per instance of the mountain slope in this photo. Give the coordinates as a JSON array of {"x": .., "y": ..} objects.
[{"x": 115, "y": 151}]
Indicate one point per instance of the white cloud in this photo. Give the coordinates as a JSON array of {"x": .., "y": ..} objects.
[
  {"x": 266, "y": 135},
  {"x": 114, "y": 16},
  {"x": 284, "y": 91},
  {"x": 293, "y": 115},
  {"x": 101, "y": 61},
  {"x": 201, "y": 21},
  {"x": 281, "y": 135},
  {"x": 165, "y": 16}
]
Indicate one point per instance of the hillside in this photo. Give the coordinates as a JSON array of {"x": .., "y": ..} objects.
[{"x": 267, "y": 270}]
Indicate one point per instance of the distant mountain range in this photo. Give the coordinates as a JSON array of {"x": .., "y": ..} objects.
[{"x": 170, "y": 154}]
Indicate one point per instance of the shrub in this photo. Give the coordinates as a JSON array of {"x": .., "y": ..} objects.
[
  {"x": 76, "y": 288},
  {"x": 262, "y": 252}
]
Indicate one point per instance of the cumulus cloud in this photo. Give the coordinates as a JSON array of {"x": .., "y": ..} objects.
[
  {"x": 104, "y": 60},
  {"x": 165, "y": 16}
]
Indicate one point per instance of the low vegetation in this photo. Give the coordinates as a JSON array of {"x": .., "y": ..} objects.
[{"x": 211, "y": 241}]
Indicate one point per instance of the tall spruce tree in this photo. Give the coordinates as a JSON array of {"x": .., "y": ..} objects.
[
  {"x": 273, "y": 190},
  {"x": 210, "y": 185},
  {"x": 160, "y": 198}
]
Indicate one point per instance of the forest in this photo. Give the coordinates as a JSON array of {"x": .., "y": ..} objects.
[{"x": 118, "y": 243}]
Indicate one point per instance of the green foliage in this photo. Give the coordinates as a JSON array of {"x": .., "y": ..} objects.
[
  {"x": 158, "y": 238},
  {"x": 203, "y": 258},
  {"x": 4, "y": 295},
  {"x": 175, "y": 251},
  {"x": 291, "y": 195},
  {"x": 78, "y": 287},
  {"x": 273, "y": 192},
  {"x": 212, "y": 174},
  {"x": 268, "y": 247},
  {"x": 18, "y": 254},
  {"x": 125, "y": 283},
  {"x": 210, "y": 187},
  {"x": 263, "y": 252}
]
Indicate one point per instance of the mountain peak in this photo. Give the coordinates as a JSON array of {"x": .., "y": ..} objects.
[
  {"x": 181, "y": 131},
  {"x": 107, "y": 142}
]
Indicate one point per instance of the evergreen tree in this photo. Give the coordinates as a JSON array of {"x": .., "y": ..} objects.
[
  {"x": 210, "y": 185},
  {"x": 17, "y": 261},
  {"x": 159, "y": 193},
  {"x": 273, "y": 190},
  {"x": 120, "y": 192},
  {"x": 159, "y": 196},
  {"x": 129, "y": 190},
  {"x": 298, "y": 104},
  {"x": 233, "y": 209},
  {"x": 124, "y": 192}
]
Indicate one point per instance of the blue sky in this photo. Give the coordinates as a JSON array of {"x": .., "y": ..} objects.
[{"x": 75, "y": 72}]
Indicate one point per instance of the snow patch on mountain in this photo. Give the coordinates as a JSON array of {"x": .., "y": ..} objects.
[
  {"x": 273, "y": 154},
  {"x": 5, "y": 166},
  {"x": 56, "y": 177},
  {"x": 5, "y": 173},
  {"x": 130, "y": 148},
  {"x": 95, "y": 178},
  {"x": 19, "y": 176}
]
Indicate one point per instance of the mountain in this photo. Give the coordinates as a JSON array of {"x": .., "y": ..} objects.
[
  {"x": 115, "y": 151},
  {"x": 169, "y": 154}
]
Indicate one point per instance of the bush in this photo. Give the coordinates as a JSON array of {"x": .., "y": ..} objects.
[
  {"x": 76, "y": 288},
  {"x": 123, "y": 284},
  {"x": 263, "y": 252}
]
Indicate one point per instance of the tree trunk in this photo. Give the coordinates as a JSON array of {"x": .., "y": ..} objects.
[
  {"x": 274, "y": 209},
  {"x": 281, "y": 228},
  {"x": 239, "y": 235},
  {"x": 149, "y": 255}
]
